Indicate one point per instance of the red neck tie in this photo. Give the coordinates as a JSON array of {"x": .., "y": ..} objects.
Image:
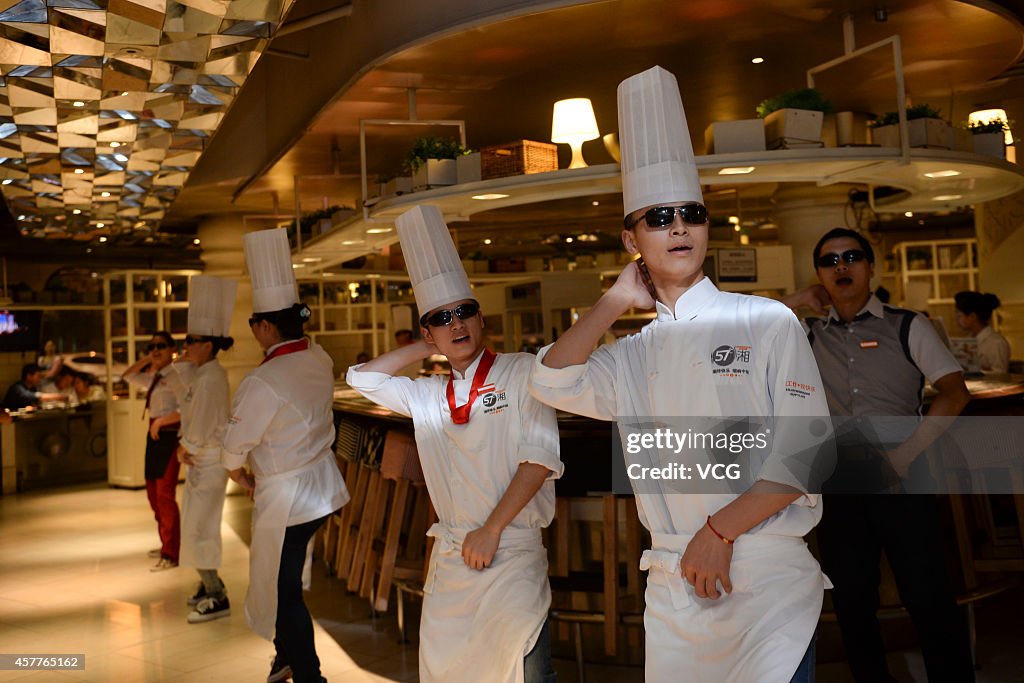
[{"x": 460, "y": 414}]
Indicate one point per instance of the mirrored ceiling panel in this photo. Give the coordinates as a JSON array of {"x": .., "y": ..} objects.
[{"x": 105, "y": 105}]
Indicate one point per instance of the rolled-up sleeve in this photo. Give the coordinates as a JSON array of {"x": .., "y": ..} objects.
[
  {"x": 252, "y": 411},
  {"x": 540, "y": 444},
  {"x": 394, "y": 392},
  {"x": 587, "y": 389}
]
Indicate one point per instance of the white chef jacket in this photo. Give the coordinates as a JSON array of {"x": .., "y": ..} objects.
[
  {"x": 478, "y": 625},
  {"x": 993, "y": 350},
  {"x": 204, "y": 416},
  {"x": 761, "y": 630},
  {"x": 167, "y": 394},
  {"x": 282, "y": 425}
]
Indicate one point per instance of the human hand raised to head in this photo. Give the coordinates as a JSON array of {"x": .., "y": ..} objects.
[
  {"x": 814, "y": 297},
  {"x": 634, "y": 286}
]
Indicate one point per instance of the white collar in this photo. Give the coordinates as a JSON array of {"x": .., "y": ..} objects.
[
  {"x": 689, "y": 303},
  {"x": 471, "y": 370},
  {"x": 985, "y": 332},
  {"x": 874, "y": 306}
]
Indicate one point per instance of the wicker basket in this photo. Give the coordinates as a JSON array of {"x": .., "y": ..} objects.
[{"x": 518, "y": 158}]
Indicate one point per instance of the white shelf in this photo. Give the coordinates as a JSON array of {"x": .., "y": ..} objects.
[{"x": 980, "y": 179}]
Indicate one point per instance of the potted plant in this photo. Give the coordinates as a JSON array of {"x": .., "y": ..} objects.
[
  {"x": 924, "y": 125},
  {"x": 320, "y": 221},
  {"x": 431, "y": 161},
  {"x": 794, "y": 119},
  {"x": 989, "y": 137}
]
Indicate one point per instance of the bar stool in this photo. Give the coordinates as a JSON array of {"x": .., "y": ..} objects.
[
  {"x": 361, "y": 473},
  {"x": 347, "y": 446}
]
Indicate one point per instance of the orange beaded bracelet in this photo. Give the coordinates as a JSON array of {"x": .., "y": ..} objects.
[{"x": 727, "y": 541}]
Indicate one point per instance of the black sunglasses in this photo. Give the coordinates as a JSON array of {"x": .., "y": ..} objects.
[
  {"x": 195, "y": 340},
  {"x": 158, "y": 346},
  {"x": 848, "y": 256},
  {"x": 444, "y": 318},
  {"x": 659, "y": 217}
]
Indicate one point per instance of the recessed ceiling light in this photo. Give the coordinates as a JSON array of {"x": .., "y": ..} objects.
[
  {"x": 327, "y": 274},
  {"x": 757, "y": 60},
  {"x": 568, "y": 240},
  {"x": 487, "y": 241},
  {"x": 76, "y": 211},
  {"x": 21, "y": 217},
  {"x": 736, "y": 227},
  {"x": 586, "y": 237},
  {"x": 595, "y": 203},
  {"x": 196, "y": 241},
  {"x": 103, "y": 239},
  {"x": 949, "y": 173},
  {"x": 115, "y": 144},
  {"x": 378, "y": 231},
  {"x": 736, "y": 170},
  {"x": 735, "y": 220},
  {"x": 124, "y": 94},
  {"x": 908, "y": 214},
  {"x": 101, "y": 225},
  {"x": 7, "y": 181},
  {"x": 79, "y": 171},
  {"x": 78, "y": 103},
  {"x": 298, "y": 265},
  {"x": 489, "y": 196},
  {"x": 947, "y": 197},
  {"x": 311, "y": 259},
  {"x": 104, "y": 194},
  {"x": 349, "y": 243}
]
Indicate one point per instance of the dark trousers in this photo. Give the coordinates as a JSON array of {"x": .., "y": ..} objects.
[
  {"x": 165, "y": 509},
  {"x": 293, "y": 633},
  {"x": 852, "y": 534},
  {"x": 537, "y": 667}
]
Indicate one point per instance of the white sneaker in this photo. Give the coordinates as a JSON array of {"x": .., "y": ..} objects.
[
  {"x": 209, "y": 609},
  {"x": 163, "y": 565}
]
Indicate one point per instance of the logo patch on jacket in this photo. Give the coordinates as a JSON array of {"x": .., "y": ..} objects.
[
  {"x": 494, "y": 400},
  {"x": 732, "y": 361}
]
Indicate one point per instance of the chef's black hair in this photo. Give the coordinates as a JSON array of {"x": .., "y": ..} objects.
[
  {"x": 288, "y": 321},
  {"x": 166, "y": 336},
  {"x": 221, "y": 344},
  {"x": 975, "y": 302}
]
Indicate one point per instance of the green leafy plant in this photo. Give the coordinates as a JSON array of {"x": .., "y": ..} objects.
[
  {"x": 309, "y": 220},
  {"x": 804, "y": 98},
  {"x": 983, "y": 127},
  {"x": 918, "y": 111},
  {"x": 432, "y": 148}
]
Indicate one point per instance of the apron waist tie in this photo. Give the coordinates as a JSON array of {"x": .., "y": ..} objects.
[
  {"x": 449, "y": 542},
  {"x": 309, "y": 466}
]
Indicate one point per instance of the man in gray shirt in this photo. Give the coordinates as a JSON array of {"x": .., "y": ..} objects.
[{"x": 874, "y": 360}]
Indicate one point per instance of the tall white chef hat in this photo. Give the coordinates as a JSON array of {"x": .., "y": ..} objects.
[
  {"x": 657, "y": 155},
  {"x": 211, "y": 300},
  {"x": 269, "y": 259},
  {"x": 435, "y": 269}
]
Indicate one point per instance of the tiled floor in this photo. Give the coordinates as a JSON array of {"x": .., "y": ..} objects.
[{"x": 74, "y": 579}]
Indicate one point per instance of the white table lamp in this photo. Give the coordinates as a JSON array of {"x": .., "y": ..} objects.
[{"x": 573, "y": 122}]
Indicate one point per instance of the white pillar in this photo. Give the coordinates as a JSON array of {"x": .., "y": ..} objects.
[
  {"x": 221, "y": 241},
  {"x": 804, "y": 213}
]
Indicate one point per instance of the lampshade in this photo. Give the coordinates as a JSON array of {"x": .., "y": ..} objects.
[{"x": 573, "y": 121}]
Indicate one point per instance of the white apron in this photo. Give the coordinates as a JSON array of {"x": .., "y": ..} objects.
[
  {"x": 202, "y": 506},
  {"x": 479, "y": 625},
  {"x": 275, "y": 495},
  {"x": 745, "y": 636}
]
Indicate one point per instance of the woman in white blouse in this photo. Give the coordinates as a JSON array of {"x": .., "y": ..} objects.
[{"x": 974, "y": 314}]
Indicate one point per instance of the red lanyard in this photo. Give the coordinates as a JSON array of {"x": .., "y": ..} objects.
[
  {"x": 285, "y": 349},
  {"x": 460, "y": 415}
]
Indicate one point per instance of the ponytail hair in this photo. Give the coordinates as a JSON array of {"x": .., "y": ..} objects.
[{"x": 221, "y": 344}]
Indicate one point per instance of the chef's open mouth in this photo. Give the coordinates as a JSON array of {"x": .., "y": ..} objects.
[
  {"x": 844, "y": 281},
  {"x": 459, "y": 340},
  {"x": 681, "y": 247}
]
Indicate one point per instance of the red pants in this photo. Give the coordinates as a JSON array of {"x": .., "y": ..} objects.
[{"x": 165, "y": 509}]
